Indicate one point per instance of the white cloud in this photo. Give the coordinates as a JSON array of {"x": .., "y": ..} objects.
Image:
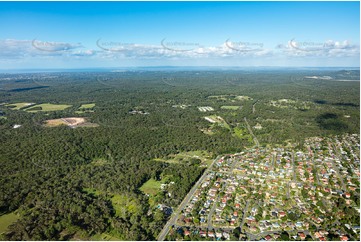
[
  {"x": 329, "y": 48},
  {"x": 22, "y": 51}
]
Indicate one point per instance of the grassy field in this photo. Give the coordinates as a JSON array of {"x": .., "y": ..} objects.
[
  {"x": 220, "y": 97},
  {"x": 219, "y": 120},
  {"x": 242, "y": 133},
  {"x": 104, "y": 237},
  {"x": 231, "y": 107},
  {"x": 123, "y": 205},
  {"x": 6, "y": 220},
  {"x": 231, "y": 97},
  {"x": 204, "y": 156},
  {"x": 151, "y": 187},
  {"x": 45, "y": 107},
  {"x": 17, "y": 106},
  {"x": 87, "y": 106},
  {"x": 239, "y": 132}
]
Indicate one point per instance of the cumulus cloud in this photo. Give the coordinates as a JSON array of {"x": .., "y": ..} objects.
[
  {"x": 176, "y": 50},
  {"x": 51, "y": 46},
  {"x": 102, "y": 50},
  {"x": 329, "y": 48},
  {"x": 18, "y": 49}
]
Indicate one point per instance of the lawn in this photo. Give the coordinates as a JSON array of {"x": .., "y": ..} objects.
[
  {"x": 231, "y": 107},
  {"x": 87, "y": 106},
  {"x": 239, "y": 132},
  {"x": 151, "y": 187},
  {"x": 6, "y": 220},
  {"x": 121, "y": 203},
  {"x": 44, "y": 107},
  {"x": 124, "y": 205},
  {"x": 17, "y": 106},
  {"x": 242, "y": 133}
]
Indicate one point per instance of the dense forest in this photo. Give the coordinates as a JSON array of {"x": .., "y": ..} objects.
[{"x": 86, "y": 182}]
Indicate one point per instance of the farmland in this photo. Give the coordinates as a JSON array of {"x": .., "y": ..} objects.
[
  {"x": 87, "y": 106},
  {"x": 84, "y": 108},
  {"x": 231, "y": 107},
  {"x": 18, "y": 106},
  {"x": 47, "y": 107}
]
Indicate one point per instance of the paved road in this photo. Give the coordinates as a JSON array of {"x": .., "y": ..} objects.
[
  {"x": 315, "y": 168},
  {"x": 254, "y": 237},
  {"x": 250, "y": 131},
  {"x": 173, "y": 219},
  {"x": 336, "y": 167},
  {"x": 288, "y": 190},
  {"x": 254, "y": 107},
  {"x": 273, "y": 162},
  {"x": 209, "y": 219},
  {"x": 244, "y": 214},
  {"x": 294, "y": 167}
]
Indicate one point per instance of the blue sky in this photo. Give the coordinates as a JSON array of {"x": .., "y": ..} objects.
[{"x": 118, "y": 34}]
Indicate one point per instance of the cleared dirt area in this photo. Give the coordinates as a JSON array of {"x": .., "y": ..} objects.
[{"x": 71, "y": 122}]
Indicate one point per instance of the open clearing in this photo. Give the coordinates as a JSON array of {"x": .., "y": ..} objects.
[
  {"x": 104, "y": 237},
  {"x": 45, "y": 107},
  {"x": 6, "y": 220},
  {"x": 205, "y": 109},
  {"x": 204, "y": 156},
  {"x": 151, "y": 187},
  {"x": 289, "y": 103},
  {"x": 17, "y": 106},
  {"x": 243, "y": 98},
  {"x": 217, "y": 120},
  {"x": 86, "y": 108},
  {"x": 121, "y": 203},
  {"x": 231, "y": 107},
  {"x": 232, "y": 98},
  {"x": 70, "y": 122},
  {"x": 182, "y": 106}
]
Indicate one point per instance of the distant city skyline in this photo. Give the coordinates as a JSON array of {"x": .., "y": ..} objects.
[{"x": 130, "y": 34}]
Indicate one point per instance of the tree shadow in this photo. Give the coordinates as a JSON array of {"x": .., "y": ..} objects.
[{"x": 331, "y": 121}]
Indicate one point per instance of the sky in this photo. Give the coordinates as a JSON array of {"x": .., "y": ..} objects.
[{"x": 131, "y": 34}]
